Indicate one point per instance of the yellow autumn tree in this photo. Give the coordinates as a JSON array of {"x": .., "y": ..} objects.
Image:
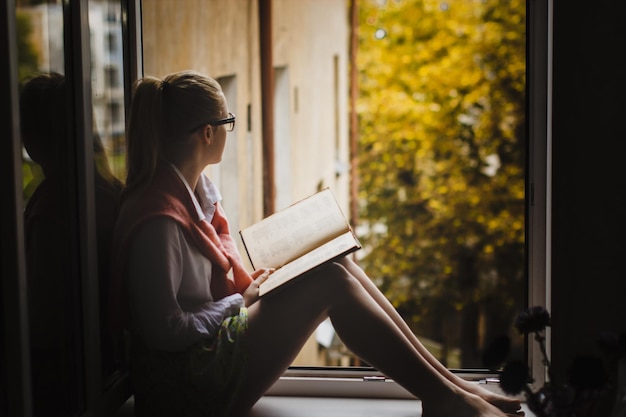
[{"x": 442, "y": 163}]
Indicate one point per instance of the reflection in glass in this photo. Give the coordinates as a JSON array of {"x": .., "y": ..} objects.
[
  {"x": 107, "y": 76},
  {"x": 50, "y": 243},
  {"x": 43, "y": 104},
  {"x": 53, "y": 284},
  {"x": 52, "y": 231},
  {"x": 107, "y": 86}
]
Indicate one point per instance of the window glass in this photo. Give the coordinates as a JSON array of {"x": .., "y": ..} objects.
[
  {"x": 50, "y": 216},
  {"x": 53, "y": 231},
  {"x": 107, "y": 87},
  {"x": 441, "y": 146}
]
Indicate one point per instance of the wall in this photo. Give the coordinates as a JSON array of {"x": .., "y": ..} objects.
[
  {"x": 589, "y": 183},
  {"x": 311, "y": 39}
]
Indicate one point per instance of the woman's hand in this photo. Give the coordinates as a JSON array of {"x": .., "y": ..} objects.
[{"x": 251, "y": 294}]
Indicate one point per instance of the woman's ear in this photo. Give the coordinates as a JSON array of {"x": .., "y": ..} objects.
[{"x": 208, "y": 134}]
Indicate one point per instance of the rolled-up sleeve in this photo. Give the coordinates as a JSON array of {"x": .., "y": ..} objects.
[{"x": 169, "y": 289}]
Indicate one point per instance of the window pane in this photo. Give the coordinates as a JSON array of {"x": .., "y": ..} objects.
[
  {"x": 52, "y": 229},
  {"x": 441, "y": 146},
  {"x": 50, "y": 217},
  {"x": 107, "y": 87}
]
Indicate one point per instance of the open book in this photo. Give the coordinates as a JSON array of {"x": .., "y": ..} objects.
[{"x": 299, "y": 238}]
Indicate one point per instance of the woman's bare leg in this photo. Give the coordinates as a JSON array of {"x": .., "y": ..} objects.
[
  {"x": 506, "y": 404},
  {"x": 280, "y": 324}
]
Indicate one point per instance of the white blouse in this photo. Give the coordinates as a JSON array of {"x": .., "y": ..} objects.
[{"x": 169, "y": 281}]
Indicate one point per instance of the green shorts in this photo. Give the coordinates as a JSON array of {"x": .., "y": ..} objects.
[{"x": 202, "y": 381}]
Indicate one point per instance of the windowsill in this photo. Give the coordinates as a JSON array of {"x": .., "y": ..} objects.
[
  {"x": 310, "y": 393},
  {"x": 336, "y": 382},
  {"x": 296, "y": 395},
  {"x": 274, "y": 406},
  {"x": 271, "y": 406},
  {"x": 355, "y": 382},
  {"x": 282, "y": 406},
  {"x": 340, "y": 407}
]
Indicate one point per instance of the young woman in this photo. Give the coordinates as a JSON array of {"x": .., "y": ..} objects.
[{"x": 203, "y": 341}]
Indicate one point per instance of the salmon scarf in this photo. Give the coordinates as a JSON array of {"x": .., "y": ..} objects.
[{"x": 167, "y": 196}]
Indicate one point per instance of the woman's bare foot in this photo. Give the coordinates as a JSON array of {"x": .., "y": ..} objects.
[
  {"x": 506, "y": 404},
  {"x": 463, "y": 404}
]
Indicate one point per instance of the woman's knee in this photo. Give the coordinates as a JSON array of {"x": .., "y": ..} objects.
[{"x": 337, "y": 279}]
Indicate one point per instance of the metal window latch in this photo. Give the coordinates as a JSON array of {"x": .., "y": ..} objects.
[
  {"x": 489, "y": 381},
  {"x": 374, "y": 379}
]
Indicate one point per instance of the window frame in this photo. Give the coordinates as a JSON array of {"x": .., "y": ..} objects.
[
  {"x": 296, "y": 381},
  {"x": 540, "y": 17}
]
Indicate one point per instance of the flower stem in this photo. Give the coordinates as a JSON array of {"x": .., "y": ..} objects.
[{"x": 542, "y": 346}]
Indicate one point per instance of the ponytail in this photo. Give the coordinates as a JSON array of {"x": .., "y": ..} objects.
[{"x": 144, "y": 130}]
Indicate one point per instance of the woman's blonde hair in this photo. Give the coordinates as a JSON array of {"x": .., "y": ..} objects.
[{"x": 164, "y": 112}]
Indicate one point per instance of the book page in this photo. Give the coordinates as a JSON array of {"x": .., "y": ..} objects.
[
  {"x": 341, "y": 245},
  {"x": 294, "y": 231}
]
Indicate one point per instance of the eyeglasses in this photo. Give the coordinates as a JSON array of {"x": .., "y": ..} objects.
[{"x": 228, "y": 121}]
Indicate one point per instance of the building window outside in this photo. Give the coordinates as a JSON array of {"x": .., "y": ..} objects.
[
  {"x": 111, "y": 76},
  {"x": 111, "y": 43}
]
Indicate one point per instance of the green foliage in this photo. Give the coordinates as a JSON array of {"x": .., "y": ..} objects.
[
  {"x": 27, "y": 58},
  {"x": 442, "y": 155},
  {"x": 27, "y": 63}
]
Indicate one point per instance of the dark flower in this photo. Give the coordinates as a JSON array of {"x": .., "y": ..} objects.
[
  {"x": 587, "y": 377},
  {"x": 496, "y": 352},
  {"x": 514, "y": 377},
  {"x": 532, "y": 320},
  {"x": 587, "y": 373}
]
